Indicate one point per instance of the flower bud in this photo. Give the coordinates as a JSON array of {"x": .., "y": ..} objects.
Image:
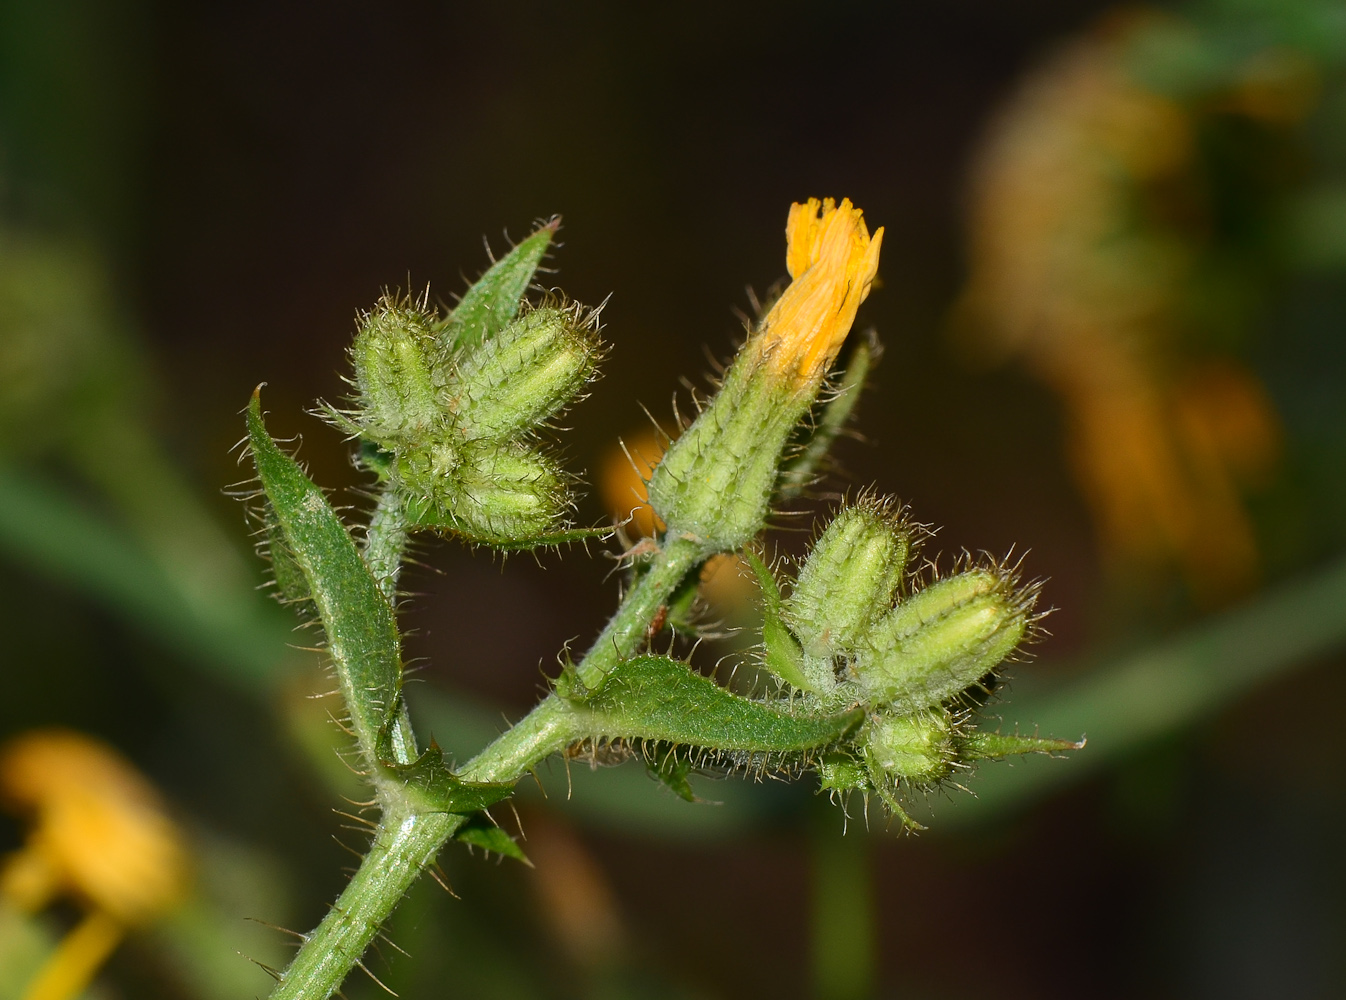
[
  {"x": 918, "y": 748},
  {"x": 393, "y": 359},
  {"x": 942, "y": 640},
  {"x": 501, "y": 494},
  {"x": 717, "y": 479},
  {"x": 849, "y": 579},
  {"x": 524, "y": 374}
]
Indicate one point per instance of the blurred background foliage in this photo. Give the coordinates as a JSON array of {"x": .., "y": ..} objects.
[{"x": 1113, "y": 303}]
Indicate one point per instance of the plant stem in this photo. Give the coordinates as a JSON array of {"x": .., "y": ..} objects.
[
  {"x": 629, "y": 627},
  {"x": 385, "y": 541},
  {"x": 405, "y": 842},
  {"x": 402, "y": 847}
]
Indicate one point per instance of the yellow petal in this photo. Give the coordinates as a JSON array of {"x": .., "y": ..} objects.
[{"x": 832, "y": 260}]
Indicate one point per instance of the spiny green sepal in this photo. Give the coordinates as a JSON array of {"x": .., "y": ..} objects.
[{"x": 493, "y": 300}]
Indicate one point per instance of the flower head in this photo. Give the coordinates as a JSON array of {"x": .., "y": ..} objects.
[
  {"x": 716, "y": 481},
  {"x": 832, "y": 261}
]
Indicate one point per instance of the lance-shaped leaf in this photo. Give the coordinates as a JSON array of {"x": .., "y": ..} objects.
[
  {"x": 672, "y": 768},
  {"x": 977, "y": 745},
  {"x": 479, "y": 831},
  {"x": 783, "y": 656},
  {"x": 493, "y": 300},
  {"x": 656, "y": 698},
  {"x": 361, "y": 631}
]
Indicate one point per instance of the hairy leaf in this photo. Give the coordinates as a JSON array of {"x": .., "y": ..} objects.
[
  {"x": 361, "y": 632},
  {"x": 655, "y": 698},
  {"x": 493, "y": 300},
  {"x": 479, "y": 831},
  {"x": 783, "y": 656},
  {"x": 430, "y": 783}
]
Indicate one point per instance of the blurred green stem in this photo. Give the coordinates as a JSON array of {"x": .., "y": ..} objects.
[{"x": 843, "y": 915}]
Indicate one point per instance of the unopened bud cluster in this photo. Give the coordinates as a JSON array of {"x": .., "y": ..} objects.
[
  {"x": 448, "y": 411},
  {"x": 916, "y": 662}
]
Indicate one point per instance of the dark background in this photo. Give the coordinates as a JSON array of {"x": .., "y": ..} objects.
[{"x": 255, "y": 174}]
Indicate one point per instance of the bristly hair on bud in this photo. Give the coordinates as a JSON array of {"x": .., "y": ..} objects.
[
  {"x": 716, "y": 481},
  {"x": 943, "y": 639},
  {"x": 852, "y": 575},
  {"x": 449, "y": 411}
]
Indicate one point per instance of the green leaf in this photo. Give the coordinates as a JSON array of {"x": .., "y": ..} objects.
[
  {"x": 672, "y": 768},
  {"x": 362, "y": 638},
  {"x": 783, "y": 656},
  {"x": 479, "y": 831},
  {"x": 291, "y": 584},
  {"x": 655, "y": 698},
  {"x": 977, "y": 745},
  {"x": 493, "y": 300},
  {"x": 430, "y": 783}
]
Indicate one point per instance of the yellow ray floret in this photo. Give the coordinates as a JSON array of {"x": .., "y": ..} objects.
[{"x": 832, "y": 260}]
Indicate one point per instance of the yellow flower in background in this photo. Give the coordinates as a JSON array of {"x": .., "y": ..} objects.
[
  {"x": 100, "y": 835},
  {"x": 624, "y": 482},
  {"x": 1079, "y": 268},
  {"x": 832, "y": 261}
]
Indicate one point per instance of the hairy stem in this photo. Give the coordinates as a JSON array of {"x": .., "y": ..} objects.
[
  {"x": 405, "y": 842},
  {"x": 629, "y": 627},
  {"x": 386, "y": 541},
  {"x": 403, "y": 846}
]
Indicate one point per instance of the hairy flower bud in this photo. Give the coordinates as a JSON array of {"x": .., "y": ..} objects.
[
  {"x": 500, "y": 494},
  {"x": 917, "y": 748},
  {"x": 524, "y": 374},
  {"x": 717, "y": 479},
  {"x": 394, "y": 373},
  {"x": 849, "y": 579},
  {"x": 942, "y": 640}
]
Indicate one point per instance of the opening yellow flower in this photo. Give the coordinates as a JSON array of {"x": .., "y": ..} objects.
[
  {"x": 832, "y": 261},
  {"x": 716, "y": 482}
]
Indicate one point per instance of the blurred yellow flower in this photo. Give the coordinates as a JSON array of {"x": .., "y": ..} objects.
[
  {"x": 1078, "y": 267},
  {"x": 832, "y": 261},
  {"x": 100, "y": 835},
  {"x": 624, "y": 481}
]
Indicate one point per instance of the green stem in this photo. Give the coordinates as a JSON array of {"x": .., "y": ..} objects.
[
  {"x": 403, "y": 846},
  {"x": 405, "y": 842},
  {"x": 629, "y": 627},
  {"x": 843, "y": 915},
  {"x": 386, "y": 541}
]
